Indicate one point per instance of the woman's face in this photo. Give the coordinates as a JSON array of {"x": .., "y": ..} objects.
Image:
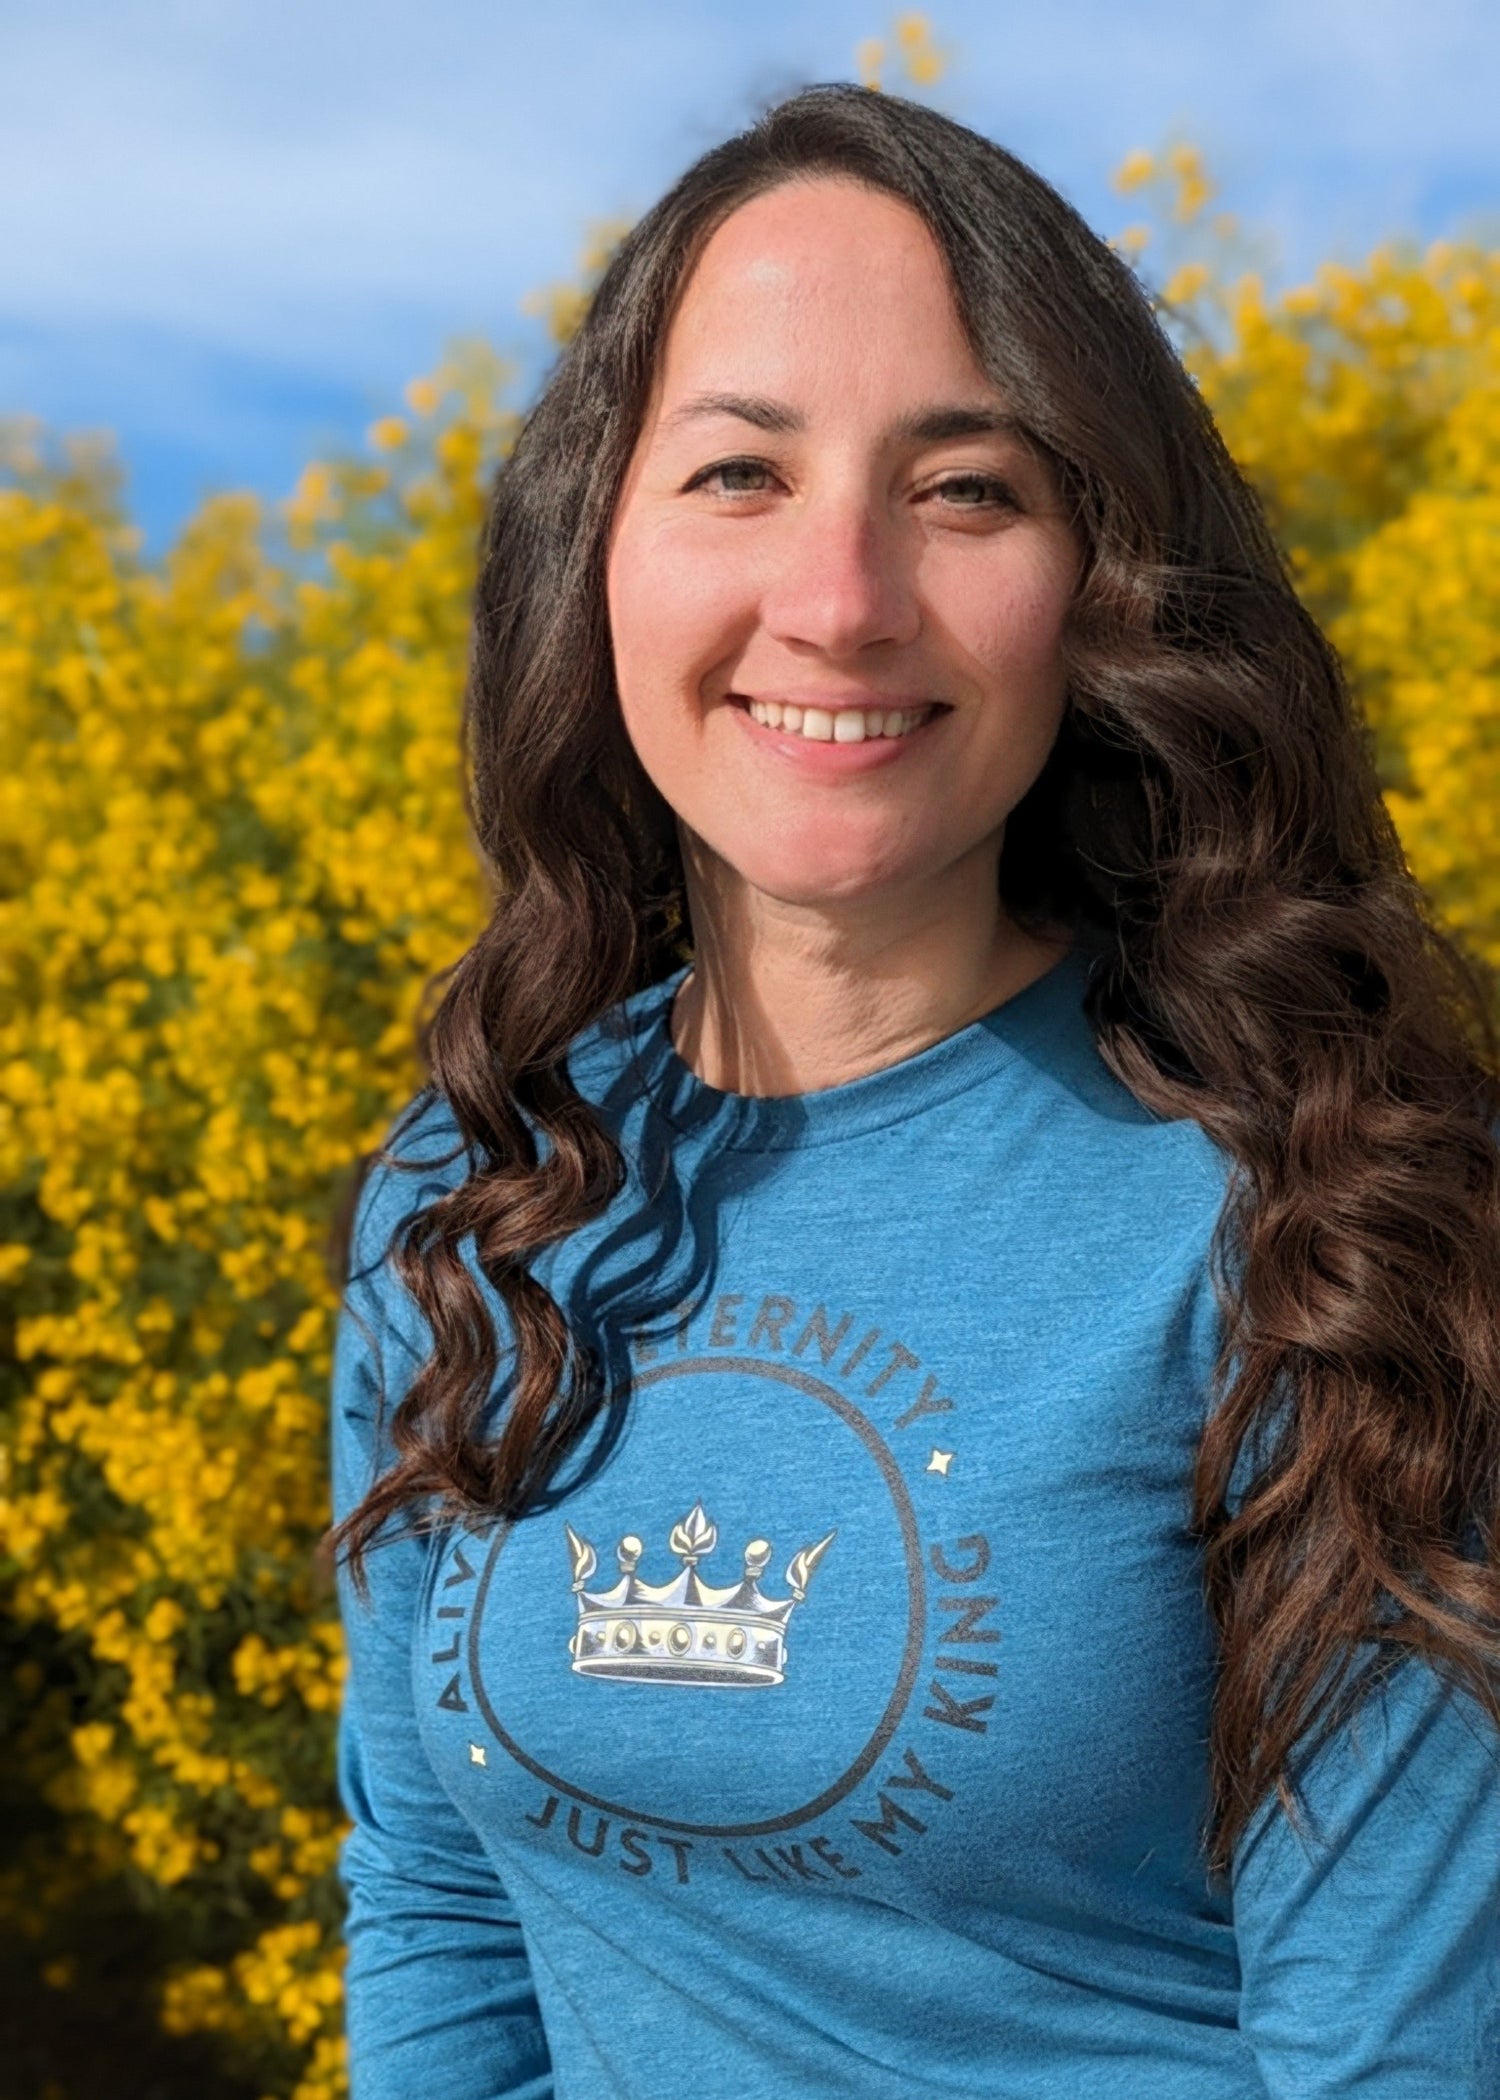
[{"x": 825, "y": 512}]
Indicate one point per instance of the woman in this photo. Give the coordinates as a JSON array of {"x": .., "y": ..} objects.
[{"x": 918, "y": 1419}]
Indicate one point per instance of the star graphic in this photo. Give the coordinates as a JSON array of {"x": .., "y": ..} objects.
[
  {"x": 476, "y": 1753},
  {"x": 939, "y": 1462}
]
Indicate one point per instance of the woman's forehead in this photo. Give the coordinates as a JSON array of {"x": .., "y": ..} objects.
[
  {"x": 831, "y": 237},
  {"x": 816, "y": 286}
]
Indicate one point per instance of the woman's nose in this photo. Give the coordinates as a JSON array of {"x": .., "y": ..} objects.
[{"x": 842, "y": 580}]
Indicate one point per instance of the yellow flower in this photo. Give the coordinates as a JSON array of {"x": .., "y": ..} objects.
[
  {"x": 1186, "y": 283},
  {"x": 388, "y": 433},
  {"x": 1136, "y": 169}
]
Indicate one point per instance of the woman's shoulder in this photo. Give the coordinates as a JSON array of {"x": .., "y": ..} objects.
[
  {"x": 424, "y": 1155},
  {"x": 421, "y": 1157},
  {"x": 1092, "y": 1116},
  {"x": 607, "y": 1052}
]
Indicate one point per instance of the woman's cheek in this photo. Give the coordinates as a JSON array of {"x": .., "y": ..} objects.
[
  {"x": 675, "y": 611},
  {"x": 707, "y": 592},
  {"x": 1006, "y": 617}
]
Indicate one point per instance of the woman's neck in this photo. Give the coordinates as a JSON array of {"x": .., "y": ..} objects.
[{"x": 771, "y": 1021}]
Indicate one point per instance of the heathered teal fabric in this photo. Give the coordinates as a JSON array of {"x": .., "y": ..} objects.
[{"x": 839, "y": 1726}]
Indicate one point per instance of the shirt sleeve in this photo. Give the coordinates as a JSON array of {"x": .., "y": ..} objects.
[
  {"x": 1370, "y": 1953},
  {"x": 438, "y": 1987}
]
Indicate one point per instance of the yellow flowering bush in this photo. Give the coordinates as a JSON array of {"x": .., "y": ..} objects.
[
  {"x": 1365, "y": 407},
  {"x": 232, "y": 857}
]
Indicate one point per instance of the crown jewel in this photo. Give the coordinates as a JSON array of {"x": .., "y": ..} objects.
[{"x": 685, "y": 1631}]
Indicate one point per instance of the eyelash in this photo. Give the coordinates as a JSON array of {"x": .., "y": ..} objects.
[{"x": 1003, "y": 491}]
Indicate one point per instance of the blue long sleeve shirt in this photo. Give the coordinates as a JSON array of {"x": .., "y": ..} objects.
[{"x": 838, "y": 1725}]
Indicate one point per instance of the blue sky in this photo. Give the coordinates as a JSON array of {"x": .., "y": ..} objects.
[{"x": 231, "y": 232}]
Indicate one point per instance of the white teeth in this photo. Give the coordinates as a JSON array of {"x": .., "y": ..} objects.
[{"x": 847, "y": 725}]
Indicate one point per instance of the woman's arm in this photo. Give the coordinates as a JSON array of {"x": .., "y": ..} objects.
[
  {"x": 438, "y": 1988},
  {"x": 1371, "y": 1963}
]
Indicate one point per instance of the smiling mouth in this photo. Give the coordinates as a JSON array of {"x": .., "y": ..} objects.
[{"x": 843, "y": 725}]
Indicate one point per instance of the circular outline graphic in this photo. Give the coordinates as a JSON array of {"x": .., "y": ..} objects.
[{"x": 916, "y": 1591}]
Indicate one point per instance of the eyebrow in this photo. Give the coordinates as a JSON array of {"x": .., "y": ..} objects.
[{"x": 930, "y": 425}]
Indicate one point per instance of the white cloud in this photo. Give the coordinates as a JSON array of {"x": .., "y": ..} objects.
[
  {"x": 243, "y": 172},
  {"x": 322, "y": 191}
]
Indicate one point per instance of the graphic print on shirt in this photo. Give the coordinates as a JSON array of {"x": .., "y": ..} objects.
[
  {"x": 685, "y": 1631},
  {"x": 819, "y": 1569}
]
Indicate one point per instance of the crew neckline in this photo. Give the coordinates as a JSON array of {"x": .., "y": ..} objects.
[{"x": 875, "y": 1100}]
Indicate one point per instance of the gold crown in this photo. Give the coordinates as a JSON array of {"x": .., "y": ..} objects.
[{"x": 685, "y": 1631}]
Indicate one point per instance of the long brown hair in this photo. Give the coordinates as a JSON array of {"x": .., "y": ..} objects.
[{"x": 1210, "y": 813}]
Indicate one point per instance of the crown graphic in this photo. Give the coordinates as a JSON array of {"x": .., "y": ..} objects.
[{"x": 685, "y": 1631}]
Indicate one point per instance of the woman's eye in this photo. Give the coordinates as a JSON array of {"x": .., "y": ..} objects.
[
  {"x": 976, "y": 492},
  {"x": 725, "y": 470},
  {"x": 751, "y": 477}
]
